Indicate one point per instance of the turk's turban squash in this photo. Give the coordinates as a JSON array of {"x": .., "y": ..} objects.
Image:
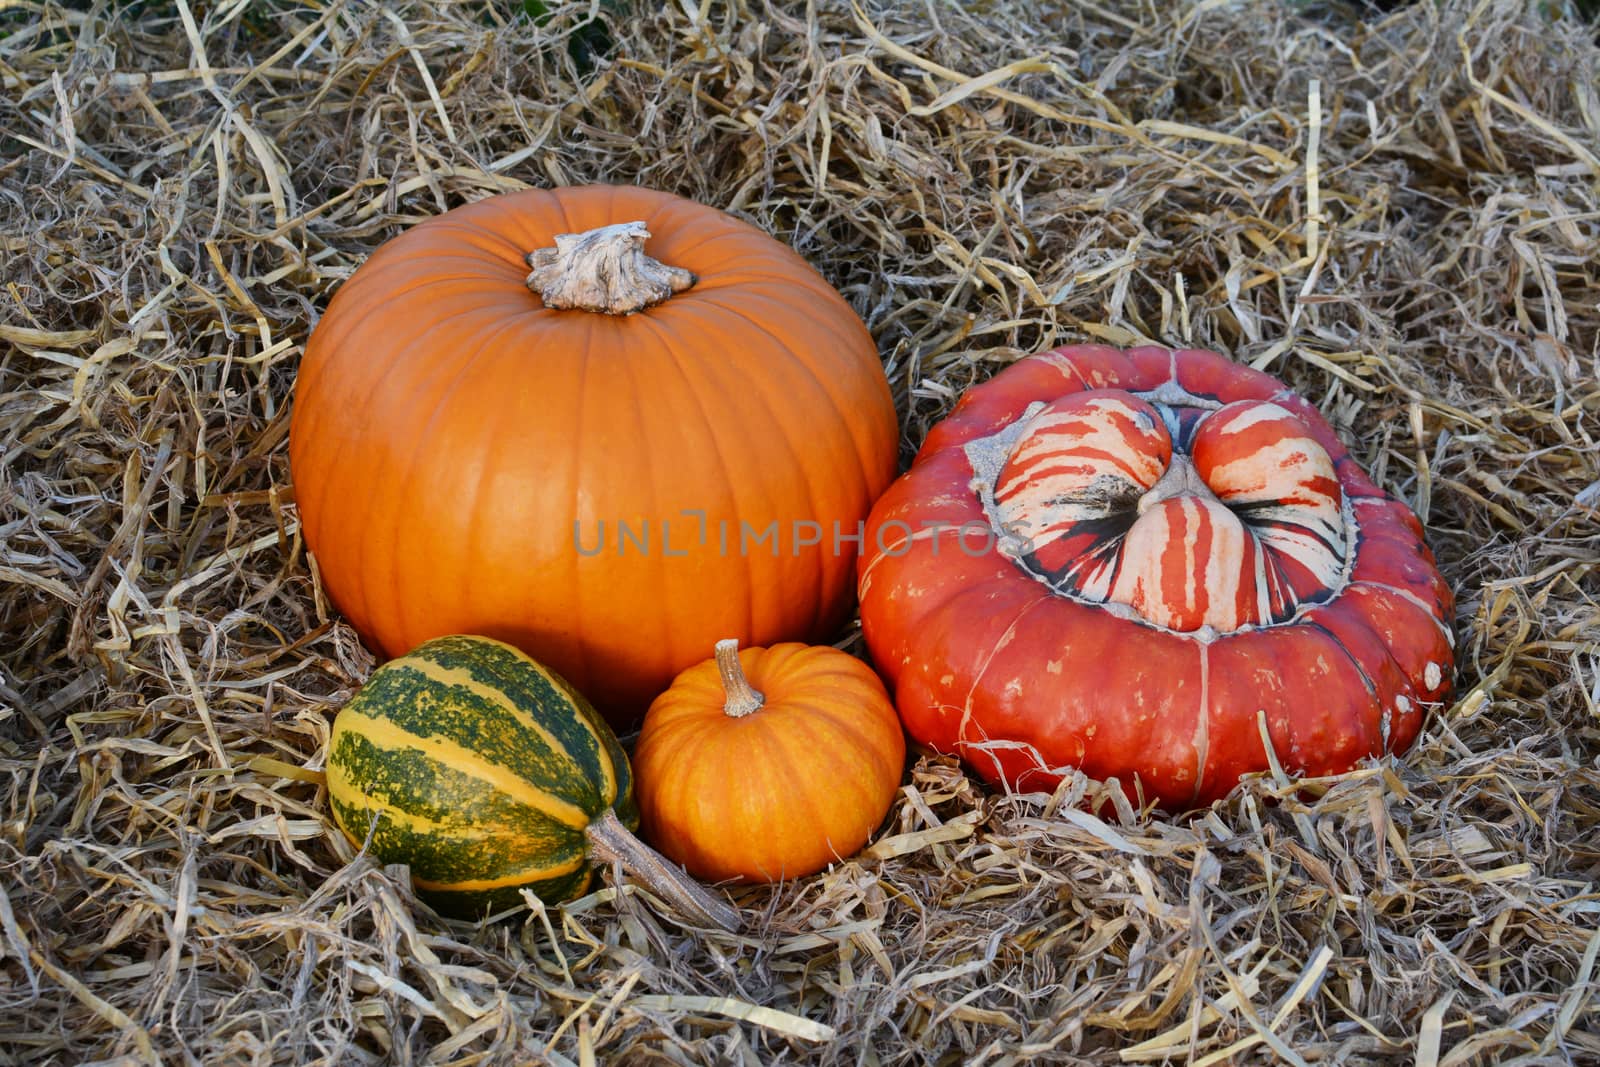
[
  {"x": 665, "y": 434},
  {"x": 1119, "y": 561}
]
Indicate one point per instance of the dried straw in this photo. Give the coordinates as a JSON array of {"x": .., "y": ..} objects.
[{"x": 1400, "y": 213}]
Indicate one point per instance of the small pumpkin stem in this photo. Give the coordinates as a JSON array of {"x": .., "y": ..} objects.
[
  {"x": 743, "y": 698},
  {"x": 604, "y": 270},
  {"x": 1180, "y": 479},
  {"x": 611, "y": 842}
]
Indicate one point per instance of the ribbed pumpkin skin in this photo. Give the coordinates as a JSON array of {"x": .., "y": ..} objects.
[
  {"x": 1141, "y": 638},
  {"x": 483, "y": 769},
  {"x": 779, "y": 793},
  {"x": 463, "y": 456}
]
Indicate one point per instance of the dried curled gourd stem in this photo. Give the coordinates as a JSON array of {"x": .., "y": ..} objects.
[
  {"x": 611, "y": 842},
  {"x": 604, "y": 270},
  {"x": 742, "y": 697}
]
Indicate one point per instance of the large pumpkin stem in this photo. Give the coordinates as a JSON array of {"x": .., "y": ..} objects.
[
  {"x": 610, "y": 842},
  {"x": 743, "y": 698},
  {"x": 604, "y": 270}
]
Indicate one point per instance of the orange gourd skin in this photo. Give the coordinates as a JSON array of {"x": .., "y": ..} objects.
[
  {"x": 465, "y": 459},
  {"x": 779, "y": 793},
  {"x": 1137, "y": 625}
]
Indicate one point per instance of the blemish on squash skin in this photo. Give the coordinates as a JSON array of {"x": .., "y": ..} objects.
[{"x": 1053, "y": 666}]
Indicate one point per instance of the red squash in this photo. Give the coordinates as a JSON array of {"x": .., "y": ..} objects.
[{"x": 1116, "y": 560}]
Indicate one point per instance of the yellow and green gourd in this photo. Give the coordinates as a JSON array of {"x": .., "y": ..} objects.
[{"x": 486, "y": 773}]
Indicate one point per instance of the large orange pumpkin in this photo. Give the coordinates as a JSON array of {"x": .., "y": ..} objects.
[
  {"x": 666, "y": 434},
  {"x": 1123, "y": 562}
]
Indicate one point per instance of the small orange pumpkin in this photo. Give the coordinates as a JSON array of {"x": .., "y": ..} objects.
[{"x": 768, "y": 764}]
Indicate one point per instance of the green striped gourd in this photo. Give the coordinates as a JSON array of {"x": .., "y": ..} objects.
[{"x": 486, "y": 773}]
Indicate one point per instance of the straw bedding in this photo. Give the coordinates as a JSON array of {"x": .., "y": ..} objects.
[{"x": 1398, "y": 211}]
